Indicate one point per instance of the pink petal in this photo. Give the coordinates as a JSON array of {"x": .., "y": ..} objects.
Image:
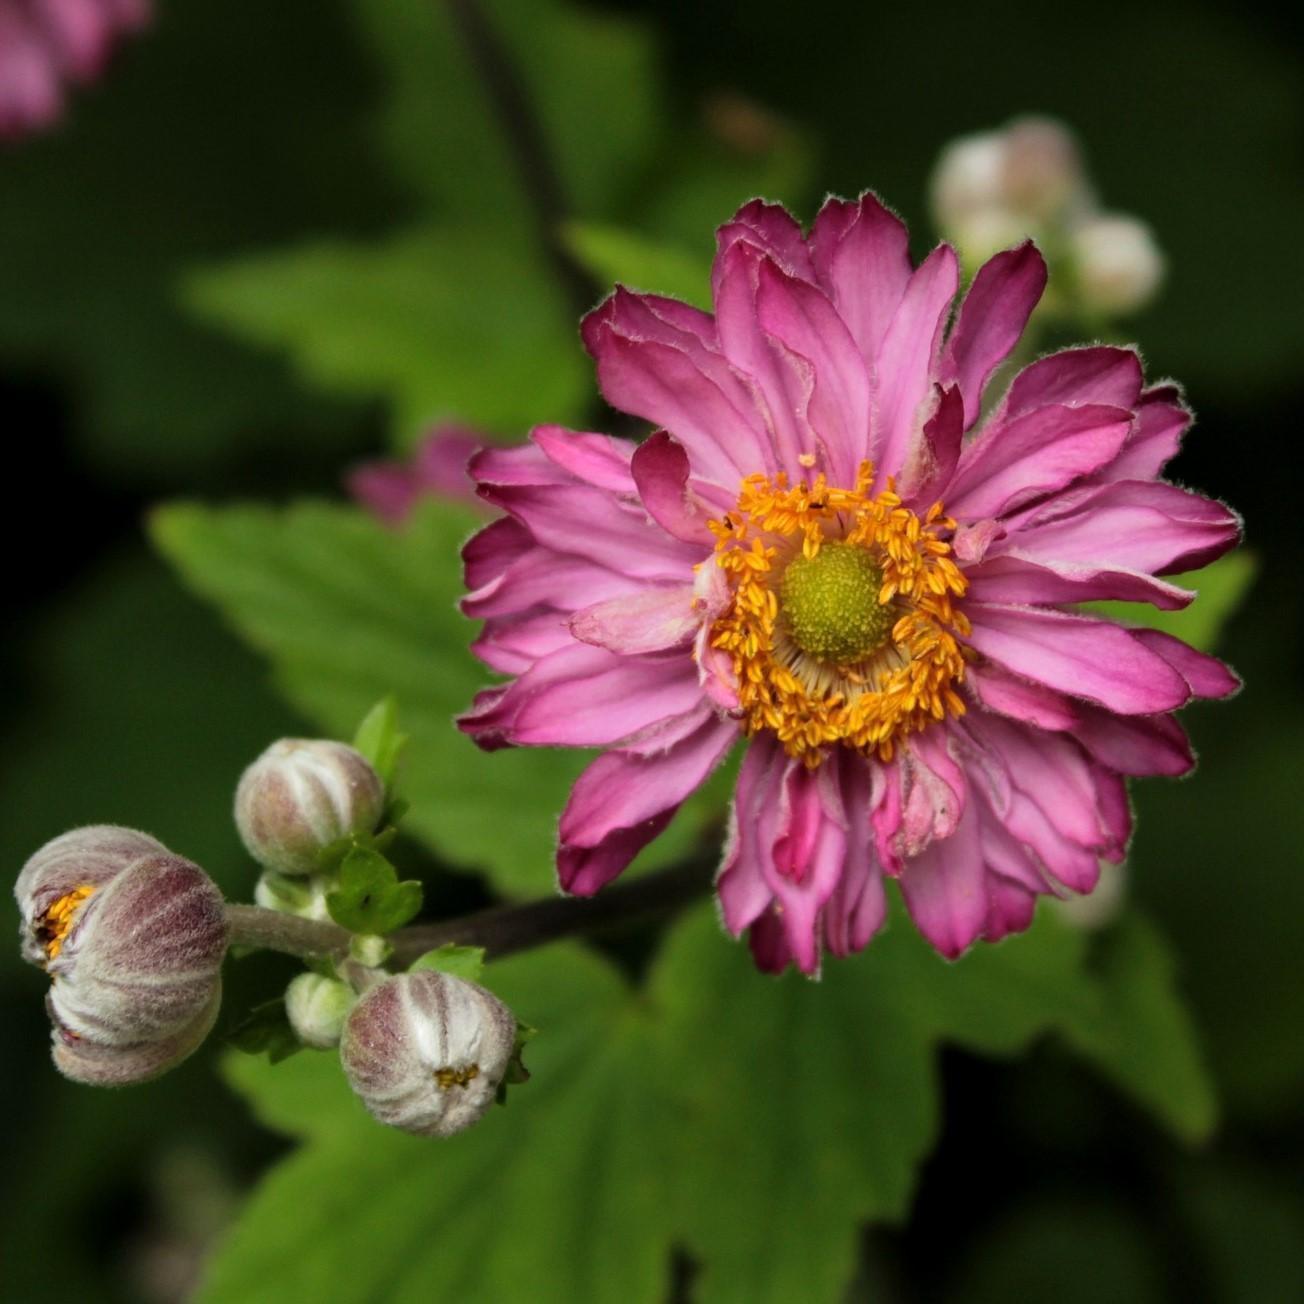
[
  {"x": 590, "y": 524},
  {"x": 1162, "y": 419},
  {"x": 796, "y": 313},
  {"x": 647, "y": 621},
  {"x": 769, "y": 943},
  {"x": 907, "y": 362},
  {"x": 991, "y": 320},
  {"x": 772, "y": 228},
  {"x": 661, "y": 474},
  {"x": 584, "y": 696},
  {"x": 598, "y": 460},
  {"x": 1099, "y": 374},
  {"x": 654, "y": 370},
  {"x": 511, "y": 645},
  {"x": 1014, "y": 577},
  {"x": 933, "y": 792},
  {"x": 1205, "y": 675},
  {"x": 857, "y": 908},
  {"x": 621, "y": 802},
  {"x": 1019, "y": 699},
  {"x": 1012, "y": 463},
  {"x": 945, "y": 889},
  {"x": 542, "y": 577},
  {"x": 1135, "y": 744},
  {"x": 861, "y": 253},
  {"x": 931, "y": 462},
  {"x": 521, "y": 464},
  {"x": 1093, "y": 659},
  {"x": 754, "y": 816},
  {"x": 490, "y": 551}
]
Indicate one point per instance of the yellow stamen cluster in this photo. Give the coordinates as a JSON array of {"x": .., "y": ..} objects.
[
  {"x": 446, "y": 1079},
  {"x": 55, "y": 923},
  {"x": 809, "y": 703}
]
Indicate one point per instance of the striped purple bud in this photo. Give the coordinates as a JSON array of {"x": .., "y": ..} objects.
[
  {"x": 133, "y": 939},
  {"x": 426, "y": 1051},
  {"x": 301, "y": 795}
]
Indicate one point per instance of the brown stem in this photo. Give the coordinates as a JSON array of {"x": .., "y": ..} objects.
[{"x": 501, "y": 931}]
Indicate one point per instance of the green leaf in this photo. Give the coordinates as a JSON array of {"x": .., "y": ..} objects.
[
  {"x": 379, "y": 740},
  {"x": 756, "y": 1123},
  {"x": 266, "y": 1030},
  {"x": 438, "y": 321},
  {"x": 370, "y": 899},
  {"x": 460, "y": 961},
  {"x": 1222, "y": 587}
]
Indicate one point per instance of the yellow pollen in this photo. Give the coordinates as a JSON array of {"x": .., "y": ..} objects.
[
  {"x": 53, "y": 926},
  {"x": 449, "y": 1078},
  {"x": 843, "y": 627}
]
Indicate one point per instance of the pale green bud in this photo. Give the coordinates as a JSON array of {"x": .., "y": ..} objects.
[{"x": 317, "y": 1007}]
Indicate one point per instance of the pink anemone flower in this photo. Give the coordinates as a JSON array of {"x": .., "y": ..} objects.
[
  {"x": 47, "y": 45},
  {"x": 838, "y": 550}
]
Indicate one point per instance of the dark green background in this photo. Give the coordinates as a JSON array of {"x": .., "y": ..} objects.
[{"x": 228, "y": 129}]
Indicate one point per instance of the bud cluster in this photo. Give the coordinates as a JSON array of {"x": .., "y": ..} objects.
[{"x": 993, "y": 189}]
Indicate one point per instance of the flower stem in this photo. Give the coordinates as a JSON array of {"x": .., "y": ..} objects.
[{"x": 501, "y": 931}]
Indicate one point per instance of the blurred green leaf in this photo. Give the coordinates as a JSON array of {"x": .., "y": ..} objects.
[
  {"x": 1222, "y": 587},
  {"x": 440, "y": 322},
  {"x": 266, "y": 1030},
  {"x": 460, "y": 961},
  {"x": 755, "y": 1122},
  {"x": 348, "y": 610},
  {"x": 587, "y": 77},
  {"x": 614, "y": 255},
  {"x": 379, "y": 740}
]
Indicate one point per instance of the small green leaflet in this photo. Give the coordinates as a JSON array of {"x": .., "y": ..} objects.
[
  {"x": 370, "y": 899},
  {"x": 460, "y": 961},
  {"x": 379, "y": 740},
  {"x": 266, "y": 1029}
]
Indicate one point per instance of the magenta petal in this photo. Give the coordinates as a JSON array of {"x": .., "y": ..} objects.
[
  {"x": 646, "y": 621},
  {"x": 1012, "y": 463},
  {"x": 990, "y": 321},
  {"x": 857, "y": 908},
  {"x": 584, "y": 696},
  {"x": 1093, "y": 659},
  {"x": 1019, "y": 699},
  {"x": 754, "y": 815},
  {"x": 945, "y": 889},
  {"x": 661, "y": 472},
  {"x": 1206, "y": 675},
  {"x": 1162, "y": 420},
  {"x": 908, "y": 358},
  {"x": 1015, "y": 578},
  {"x": 1135, "y": 744},
  {"x": 545, "y": 578},
  {"x": 772, "y": 228},
  {"x": 933, "y": 792},
  {"x": 598, "y": 460},
  {"x": 490, "y": 551},
  {"x": 931, "y": 461},
  {"x": 796, "y": 313},
  {"x": 621, "y": 802},
  {"x": 512, "y": 644},
  {"x": 861, "y": 253},
  {"x": 1099, "y": 374},
  {"x": 522, "y": 464},
  {"x": 769, "y": 943}
]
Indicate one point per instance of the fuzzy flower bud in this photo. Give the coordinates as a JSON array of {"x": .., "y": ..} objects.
[
  {"x": 317, "y": 1007},
  {"x": 133, "y": 939},
  {"x": 426, "y": 1051},
  {"x": 301, "y": 795},
  {"x": 1119, "y": 265}
]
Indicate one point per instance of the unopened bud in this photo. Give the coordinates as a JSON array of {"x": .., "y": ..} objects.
[
  {"x": 317, "y": 1007},
  {"x": 133, "y": 938},
  {"x": 1119, "y": 265},
  {"x": 300, "y": 796},
  {"x": 304, "y": 897},
  {"x": 426, "y": 1051}
]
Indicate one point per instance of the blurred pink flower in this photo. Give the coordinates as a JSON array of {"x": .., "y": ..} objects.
[
  {"x": 48, "y": 45},
  {"x": 437, "y": 469},
  {"x": 920, "y": 698}
]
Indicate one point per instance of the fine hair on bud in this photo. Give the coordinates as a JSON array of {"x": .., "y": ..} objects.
[
  {"x": 133, "y": 937},
  {"x": 316, "y": 1007},
  {"x": 300, "y": 796},
  {"x": 426, "y": 1052}
]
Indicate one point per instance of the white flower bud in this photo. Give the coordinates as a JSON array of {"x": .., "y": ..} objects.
[
  {"x": 133, "y": 938},
  {"x": 426, "y": 1051},
  {"x": 1119, "y": 265},
  {"x": 317, "y": 1007},
  {"x": 304, "y": 897},
  {"x": 301, "y": 795},
  {"x": 969, "y": 177}
]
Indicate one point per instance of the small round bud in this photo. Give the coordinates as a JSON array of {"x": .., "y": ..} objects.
[
  {"x": 1119, "y": 265},
  {"x": 317, "y": 1007},
  {"x": 133, "y": 938},
  {"x": 426, "y": 1051},
  {"x": 304, "y": 897},
  {"x": 301, "y": 795}
]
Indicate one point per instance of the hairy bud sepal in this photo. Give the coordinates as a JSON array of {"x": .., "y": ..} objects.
[
  {"x": 303, "y": 796},
  {"x": 133, "y": 938},
  {"x": 426, "y": 1051}
]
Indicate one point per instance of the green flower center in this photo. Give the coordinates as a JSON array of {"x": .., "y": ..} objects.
[{"x": 830, "y": 604}]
